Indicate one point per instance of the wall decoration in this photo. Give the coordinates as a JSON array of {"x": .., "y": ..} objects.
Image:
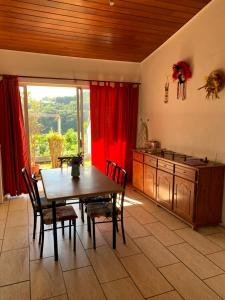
[
  {"x": 214, "y": 84},
  {"x": 143, "y": 133},
  {"x": 167, "y": 84},
  {"x": 181, "y": 72}
]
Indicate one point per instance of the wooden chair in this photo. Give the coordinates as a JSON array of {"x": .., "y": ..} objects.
[
  {"x": 44, "y": 204},
  {"x": 105, "y": 208},
  {"x": 63, "y": 213},
  {"x": 110, "y": 172}
]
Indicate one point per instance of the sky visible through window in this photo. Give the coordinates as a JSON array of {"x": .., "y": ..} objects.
[{"x": 39, "y": 92}]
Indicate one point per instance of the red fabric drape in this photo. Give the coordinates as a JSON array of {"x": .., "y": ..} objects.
[
  {"x": 12, "y": 136},
  {"x": 113, "y": 123}
]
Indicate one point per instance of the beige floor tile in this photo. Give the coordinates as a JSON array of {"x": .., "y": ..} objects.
[
  {"x": 106, "y": 264},
  {"x": 48, "y": 249},
  {"x": 218, "y": 239},
  {"x": 70, "y": 259},
  {"x": 2, "y": 229},
  {"x": 164, "y": 234},
  {"x": 82, "y": 284},
  {"x": 15, "y": 238},
  {"x": 18, "y": 204},
  {"x": 46, "y": 279},
  {"x": 205, "y": 230},
  {"x": 20, "y": 291},
  {"x": 217, "y": 283},
  {"x": 134, "y": 228},
  {"x": 187, "y": 284},
  {"x": 195, "y": 261},
  {"x": 198, "y": 241},
  {"x": 15, "y": 264},
  {"x": 3, "y": 212},
  {"x": 122, "y": 249},
  {"x": 155, "y": 251},
  {"x": 170, "y": 221},
  {"x": 17, "y": 218},
  {"x": 141, "y": 215},
  {"x": 86, "y": 240},
  {"x": 121, "y": 289},
  {"x": 167, "y": 296},
  {"x": 218, "y": 258},
  {"x": 147, "y": 278},
  {"x": 150, "y": 206},
  {"x": 62, "y": 297}
]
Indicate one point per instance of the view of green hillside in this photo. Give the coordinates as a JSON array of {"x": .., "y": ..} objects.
[{"x": 55, "y": 114}]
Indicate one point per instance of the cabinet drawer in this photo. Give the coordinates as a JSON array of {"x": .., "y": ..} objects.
[
  {"x": 138, "y": 156},
  {"x": 151, "y": 161},
  {"x": 165, "y": 166},
  {"x": 185, "y": 172}
]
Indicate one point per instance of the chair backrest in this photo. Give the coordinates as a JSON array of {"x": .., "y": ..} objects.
[
  {"x": 121, "y": 178},
  {"x": 111, "y": 169},
  {"x": 37, "y": 196},
  {"x": 29, "y": 186}
]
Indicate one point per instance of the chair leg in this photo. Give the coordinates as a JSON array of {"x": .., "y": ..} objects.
[
  {"x": 123, "y": 231},
  {"x": 70, "y": 229},
  {"x": 93, "y": 226},
  {"x": 74, "y": 235},
  {"x": 89, "y": 225},
  {"x": 35, "y": 223},
  {"x": 117, "y": 228},
  {"x": 39, "y": 242},
  {"x": 42, "y": 241},
  {"x": 62, "y": 223},
  {"x": 82, "y": 211}
]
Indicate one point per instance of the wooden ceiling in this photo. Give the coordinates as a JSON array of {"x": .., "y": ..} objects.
[{"x": 128, "y": 31}]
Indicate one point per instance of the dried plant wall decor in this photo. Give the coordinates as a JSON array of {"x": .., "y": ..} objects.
[
  {"x": 214, "y": 84},
  {"x": 167, "y": 84},
  {"x": 181, "y": 72}
]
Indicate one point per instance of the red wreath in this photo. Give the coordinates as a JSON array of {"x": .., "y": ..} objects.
[{"x": 181, "y": 71}]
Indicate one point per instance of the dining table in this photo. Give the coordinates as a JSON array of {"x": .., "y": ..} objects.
[{"x": 59, "y": 185}]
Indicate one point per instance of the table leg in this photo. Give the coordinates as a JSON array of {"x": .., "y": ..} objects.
[
  {"x": 54, "y": 230},
  {"x": 114, "y": 221}
]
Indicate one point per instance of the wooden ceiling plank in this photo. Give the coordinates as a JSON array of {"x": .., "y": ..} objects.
[
  {"x": 140, "y": 22},
  {"x": 117, "y": 12}
]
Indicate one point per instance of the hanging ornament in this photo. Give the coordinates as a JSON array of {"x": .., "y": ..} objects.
[
  {"x": 167, "y": 84},
  {"x": 214, "y": 84},
  {"x": 181, "y": 72}
]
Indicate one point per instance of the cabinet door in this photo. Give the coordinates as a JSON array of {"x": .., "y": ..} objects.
[
  {"x": 150, "y": 181},
  {"x": 164, "y": 190},
  {"x": 184, "y": 193},
  {"x": 138, "y": 175}
]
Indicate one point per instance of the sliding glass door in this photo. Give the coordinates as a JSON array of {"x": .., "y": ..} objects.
[{"x": 57, "y": 120}]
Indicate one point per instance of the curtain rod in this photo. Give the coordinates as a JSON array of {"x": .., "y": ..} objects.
[{"x": 71, "y": 79}]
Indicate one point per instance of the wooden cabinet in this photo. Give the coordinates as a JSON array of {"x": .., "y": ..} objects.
[
  {"x": 164, "y": 189},
  {"x": 184, "y": 196},
  {"x": 192, "y": 192},
  {"x": 150, "y": 181},
  {"x": 138, "y": 170}
]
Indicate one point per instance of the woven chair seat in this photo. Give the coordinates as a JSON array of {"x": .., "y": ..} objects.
[
  {"x": 95, "y": 199},
  {"x": 63, "y": 213},
  {"x": 101, "y": 209}
]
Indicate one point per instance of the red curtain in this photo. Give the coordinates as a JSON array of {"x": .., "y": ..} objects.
[
  {"x": 114, "y": 110},
  {"x": 12, "y": 136}
]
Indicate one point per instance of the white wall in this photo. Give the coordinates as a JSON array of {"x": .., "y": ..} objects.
[
  {"x": 35, "y": 64},
  {"x": 195, "y": 126}
]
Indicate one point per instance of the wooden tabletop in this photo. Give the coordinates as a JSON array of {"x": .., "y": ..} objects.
[{"x": 59, "y": 184}]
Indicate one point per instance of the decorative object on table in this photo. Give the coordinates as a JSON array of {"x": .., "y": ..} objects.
[
  {"x": 55, "y": 141},
  {"x": 143, "y": 133},
  {"x": 214, "y": 84},
  {"x": 166, "y": 91},
  {"x": 75, "y": 163},
  {"x": 181, "y": 72}
]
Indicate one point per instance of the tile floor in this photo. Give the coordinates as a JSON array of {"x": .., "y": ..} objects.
[{"x": 163, "y": 259}]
